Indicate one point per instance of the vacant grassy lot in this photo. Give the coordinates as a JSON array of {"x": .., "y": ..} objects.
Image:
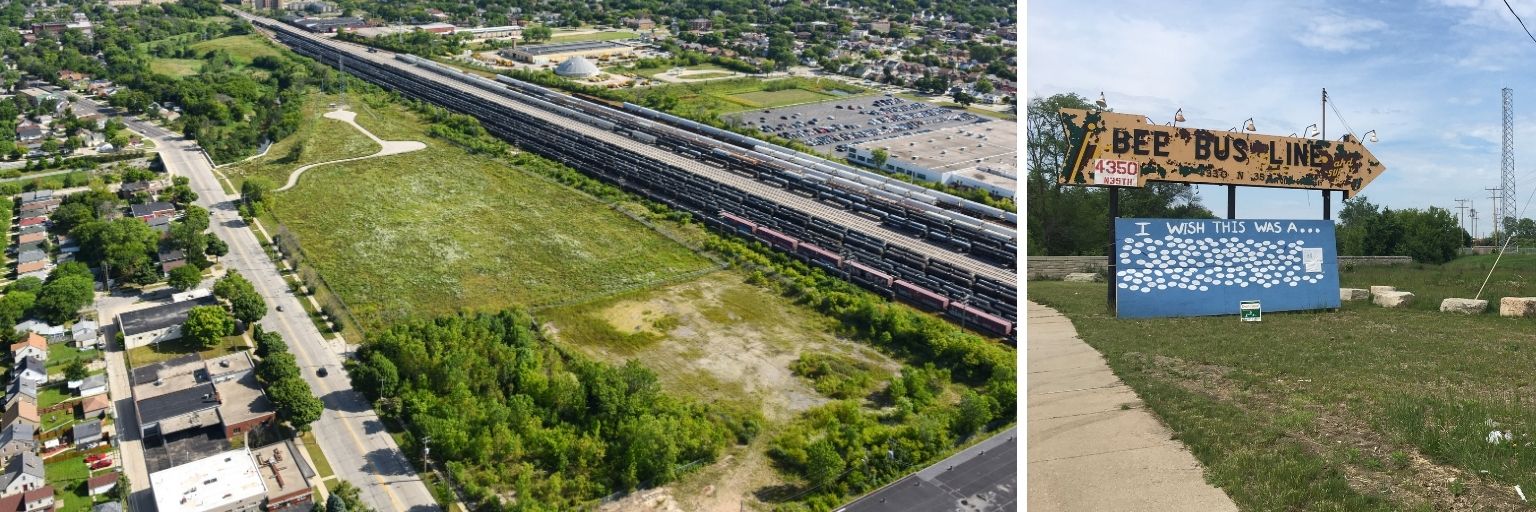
[
  {"x": 1364, "y": 408},
  {"x": 559, "y": 37},
  {"x": 317, "y": 139},
  {"x": 770, "y": 99},
  {"x": 439, "y": 230},
  {"x": 1516, "y": 277},
  {"x": 241, "y": 49},
  {"x": 176, "y": 68},
  {"x": 703, "y": 100},
  {"x": 720, "y": 340}
]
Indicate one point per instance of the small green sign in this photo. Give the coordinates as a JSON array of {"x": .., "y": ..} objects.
[{"x": 1249, "y": 311}]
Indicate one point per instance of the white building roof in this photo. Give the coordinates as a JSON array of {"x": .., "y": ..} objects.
[
  {"x": 209, "y": 483},
  {"x": 577, "y": 66}
]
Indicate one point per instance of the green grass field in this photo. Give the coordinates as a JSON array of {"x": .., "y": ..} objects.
[
  {"x": 1364, "y": 408},
  {"x": 559, "y": 37},
  {"x": 176, "y": 68},
  {"x": 440, "y": 230},
  {"x": 68, "y": 476},
  {"x": 770, "y": 99},
  {"x": 317, "y": 139},
  {"x": 707, "y": 75},
  {"x": 242, "y": 49},
  {"x": 708, "y": 100}
]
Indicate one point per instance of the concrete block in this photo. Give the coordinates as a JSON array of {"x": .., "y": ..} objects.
[
  {"x": 1354, "y": 294},
  {"x": 1393, "y": 299},
  {"x": 1517, "y": 306},
  {"x": 1082, "y": 277},
  {"x": 1379, "y": 289},
  {"x": 1463, "y": 306}
]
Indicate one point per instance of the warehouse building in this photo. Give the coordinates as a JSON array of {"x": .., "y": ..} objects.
[
  {"x": 559, "y": 52},
  {"x": 980, "y": 155},
  {"x": 157, "y": 324},
  {"x": 223, "y": 482},
  {"x": 189, "y": 393}
]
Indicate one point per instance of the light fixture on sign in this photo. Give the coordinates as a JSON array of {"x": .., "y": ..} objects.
[
  {"x": 1370, "y": 135},
  {"x": 1310, "y": 131},
  {"x": 1178, "y": 117},
  {"x": 1101, "y": 102},
  {"x": 1248, "y": 125}
]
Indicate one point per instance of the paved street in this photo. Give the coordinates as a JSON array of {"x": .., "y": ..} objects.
[
  {"x": 349, "y": 433},
  {"x": 981, "y": 478}
]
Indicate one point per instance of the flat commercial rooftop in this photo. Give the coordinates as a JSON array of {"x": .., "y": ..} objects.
[
  {"x": 243, "y": 400},
  {"x": 210, "y": 483},
  {"x": 157, "y": 379},
  {"x": 578, "y": 46},
  {"x": 989, "y": 144},
  {"x": 159, "y": 317}
]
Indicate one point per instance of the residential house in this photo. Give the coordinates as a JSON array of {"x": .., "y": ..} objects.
[
  {"x": 48, "y": 331},
  {"x": 148, "y": 211},
  {"x": 131, "y": 189},
  {"x": 40, "y": 220},
  {"x": 84, "y": 334},
  {"x": 93, "y": 385},
  {"x": 31, "y": 261},
  {"x": 31, "y": 238},
  {"x": 36, "y": 500},
  {"x": 700, "y": 24},
  {"x": 639, "y": 23},
  {"x": 23, "y": 472},
  {"x": 23, "y": 411},
  {"x": 170, "y": 260},
  {"x": 87, "y": 433},
  {"x": 45, "y": 205},
  {"x": 17, "y": 439},
  {"x": 33, "y": 345},
  {"x": 20, "y": 389},
  {"x": 70, "y": 77},
  {"x": 95, "y": 406},
  {"x": 156, "y": 324},
  {"x": 31, "y": 368},
  {"x": 162, "y": 225},
  {"x": 101, "y": 484},
  {"x": 29, "y": 131},
  {"x": 36, "y": 96}
]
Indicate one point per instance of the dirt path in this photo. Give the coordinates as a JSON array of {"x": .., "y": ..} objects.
[{"x": 386, "y": 147}]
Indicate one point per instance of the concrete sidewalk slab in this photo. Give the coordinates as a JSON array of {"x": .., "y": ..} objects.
[{"x": 1091, "y": 444}]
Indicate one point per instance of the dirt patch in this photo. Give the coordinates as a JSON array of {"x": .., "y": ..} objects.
[{"x": 1336, "y": 430}]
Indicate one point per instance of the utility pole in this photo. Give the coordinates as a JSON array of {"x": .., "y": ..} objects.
[
  {"x": 1493, "y": 194},
  {"x": 1461, "y": 211},
  {"x": 1473, "y": 214}
]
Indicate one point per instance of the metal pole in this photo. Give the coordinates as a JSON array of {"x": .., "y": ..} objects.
[
  {"x": 1231, "y": 201},
  {"x": 1114, "y": 213},
  {"x": 1323, "y": 134}
]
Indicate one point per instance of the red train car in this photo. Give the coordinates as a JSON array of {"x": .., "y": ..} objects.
[
  {"x": 921, "y": 296},
  {"x": 810, "y": 250},
  {"x": 861, "y": 270},
  {"x": 984, "y": 321},
  {"x": 777, "y": 239},
  {"x": 739, "y": 222}
]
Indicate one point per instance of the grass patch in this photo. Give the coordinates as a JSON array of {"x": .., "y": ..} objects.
[
  {"x": 242, "y": 49},
  {"x": 68, "y": 478},
  {"x": 557, "y": 37},
  {"x": 322, "y": 464},
  {"x": 167, "y": 350},
  {"x": 771, "y": 99},
  {"x": 707, "y": 75},
  {"x": 440, "y": 230},
  {"x": 837, "y": 375},
  {"x": 51, "y": 395},
  {"x": 317, "y": 139},
  {"x": 1430, "y": 284},
  {"x": 175, "y": 68},
  {"x": 61, "y": 354},
  {"x": 1398, "y": 399}
]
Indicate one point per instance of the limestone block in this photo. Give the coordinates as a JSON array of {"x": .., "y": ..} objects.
[
  {"x": 1379, "y": 289},
  {"x": 1393, "y": 299},
  {"x": 1463, "y": 306},
  {"x": 1517, "y": 306},
  {"x": 1354, "y": 294},
  {"x": 1082, "y": 277}
]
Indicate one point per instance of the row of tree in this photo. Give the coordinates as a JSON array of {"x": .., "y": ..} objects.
[{"x": 279, "y": 372}]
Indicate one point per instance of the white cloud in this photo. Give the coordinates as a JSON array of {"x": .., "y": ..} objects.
[{"x": 1336, "y": 32}]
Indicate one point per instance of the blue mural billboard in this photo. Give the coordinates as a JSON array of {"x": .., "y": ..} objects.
[{"x": 1184, "y": 267}]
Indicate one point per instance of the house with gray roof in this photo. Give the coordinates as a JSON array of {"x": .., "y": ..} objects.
[
  {"x": 86, "y": 433},
  {"x": 19, "y": 437},
  {"x": 160, "y": 323},
  {"x": 31, "y": 369},
  {"x": 23, "y": 472},
  {"x": 20, "y": 388}
]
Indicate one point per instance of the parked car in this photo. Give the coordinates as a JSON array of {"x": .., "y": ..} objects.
[
  {"x": 103, "y": 463},
  {"x": 96, "y": 457}
]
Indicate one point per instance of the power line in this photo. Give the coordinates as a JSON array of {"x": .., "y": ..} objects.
[{"x": 1522, "y": 22}]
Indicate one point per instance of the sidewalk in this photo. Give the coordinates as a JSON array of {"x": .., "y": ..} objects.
[{"x": 1092, "y": 444}]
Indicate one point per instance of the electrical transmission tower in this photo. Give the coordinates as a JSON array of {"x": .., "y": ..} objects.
[{"x": 1507, "y": 207}]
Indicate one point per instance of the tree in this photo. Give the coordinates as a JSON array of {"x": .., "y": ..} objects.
[
  {"x": 537, "y": 33},
  {"x": 13, "y": 308},
  {"x": 185, "y": 277},
  {"x": 964, "y": 98},
  {"x": 295, "y": 402},
  {"x": 207, "y": 325},
  {"x": 26, "y": 284},
  {"x": 1428, "y": 236},
  {"x": 247, "y": 305},
  {"x": 346, "y": 498},
  {"x": 879, "y": 156},
  {"x": 975, "y": 411},
  {"x": 60, "y": 300},
  {"x": 76, "y": 370},
  {"x": 254, "y": 194},
  {"x": 125, "y": 246},
  {"x": 70, "y": 215},
  {"x": 216, "y": 247},
  {"x": 823, "y": 464},
  {"x": 985, "y": 86}
]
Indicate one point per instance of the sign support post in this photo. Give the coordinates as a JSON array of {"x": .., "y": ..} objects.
[{"x": 1114, "y": 213}]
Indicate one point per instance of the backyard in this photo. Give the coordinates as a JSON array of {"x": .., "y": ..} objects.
[{"x": 1364, "y": 408}]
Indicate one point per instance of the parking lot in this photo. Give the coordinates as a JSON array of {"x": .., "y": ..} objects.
[{"x": 833, "y": 126}]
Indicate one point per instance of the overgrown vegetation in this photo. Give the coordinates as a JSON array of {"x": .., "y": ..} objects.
[
  {"x": 836, "y": 376},
  {"x": 508, "y": 411}
]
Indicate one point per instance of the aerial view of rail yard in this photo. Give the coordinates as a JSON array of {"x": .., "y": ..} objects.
[{"x": 418, "y": 255}]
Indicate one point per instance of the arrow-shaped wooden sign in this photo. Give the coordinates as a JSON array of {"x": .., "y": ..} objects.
[{"x": 1109, "y": 149}]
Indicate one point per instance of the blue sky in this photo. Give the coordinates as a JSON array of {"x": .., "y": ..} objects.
[{"x": 1425, "y": 75}]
